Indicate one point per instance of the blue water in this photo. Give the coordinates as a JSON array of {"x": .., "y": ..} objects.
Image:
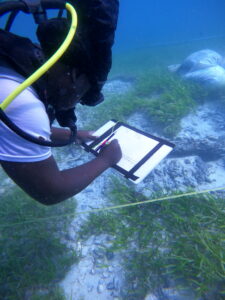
[{"x": 151, "y": 22}]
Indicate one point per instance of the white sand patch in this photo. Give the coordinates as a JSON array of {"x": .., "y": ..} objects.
[
  {"x": 203, "y": 123},
  {"x": 216, "y": 176}
]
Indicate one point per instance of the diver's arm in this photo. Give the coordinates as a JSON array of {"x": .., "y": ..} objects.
[
  {"x": 60, "y": 134},
  {"x": 63, "y": 134},
  {"x": 44, "y": 182}
]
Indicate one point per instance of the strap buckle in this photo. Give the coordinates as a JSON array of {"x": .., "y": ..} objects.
[{"x": 34, "y": 7}]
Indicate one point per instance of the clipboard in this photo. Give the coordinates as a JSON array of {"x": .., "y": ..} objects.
[{"x": 141, "y": 151}]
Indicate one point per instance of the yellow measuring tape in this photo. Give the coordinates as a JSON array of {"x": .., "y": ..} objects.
[
  {"x": 50, "y": 62},
  {"x": 104, "y": 209}
]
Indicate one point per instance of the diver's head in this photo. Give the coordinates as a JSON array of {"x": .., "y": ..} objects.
[
  {"x": 65, "y": 86},
  {"x": 76, "y": 63},
  {"x": 67, "y": 80}
]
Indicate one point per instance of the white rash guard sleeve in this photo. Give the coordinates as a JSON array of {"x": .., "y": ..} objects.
[{"x": 29, "y": 114}]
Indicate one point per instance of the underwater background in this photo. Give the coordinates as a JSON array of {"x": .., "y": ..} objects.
[
  {"x": 172, "y": 247},
  {"x": 151, "y": 23}
]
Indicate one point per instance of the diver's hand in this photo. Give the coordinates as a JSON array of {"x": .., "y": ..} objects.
[
  {"x": 111, "y": 153},
  {"x": 85, "y": 136}
]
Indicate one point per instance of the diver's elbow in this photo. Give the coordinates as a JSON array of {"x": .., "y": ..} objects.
[{"x": 49, "y": 200}]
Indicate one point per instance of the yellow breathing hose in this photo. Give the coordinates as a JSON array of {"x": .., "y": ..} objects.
[{"x": 49, "y": 63}]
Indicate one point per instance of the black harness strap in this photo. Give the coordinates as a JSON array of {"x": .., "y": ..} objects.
[{"x": 30, "y": 138}]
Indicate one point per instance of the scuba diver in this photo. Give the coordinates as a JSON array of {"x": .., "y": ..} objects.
[{"x": 26, "y": 131}]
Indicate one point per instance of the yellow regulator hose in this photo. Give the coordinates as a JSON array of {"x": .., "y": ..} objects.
[{"x": 49, "y": 63}]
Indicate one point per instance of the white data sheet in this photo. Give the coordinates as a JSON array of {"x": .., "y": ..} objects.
[{"x": 141, "y": 152}]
